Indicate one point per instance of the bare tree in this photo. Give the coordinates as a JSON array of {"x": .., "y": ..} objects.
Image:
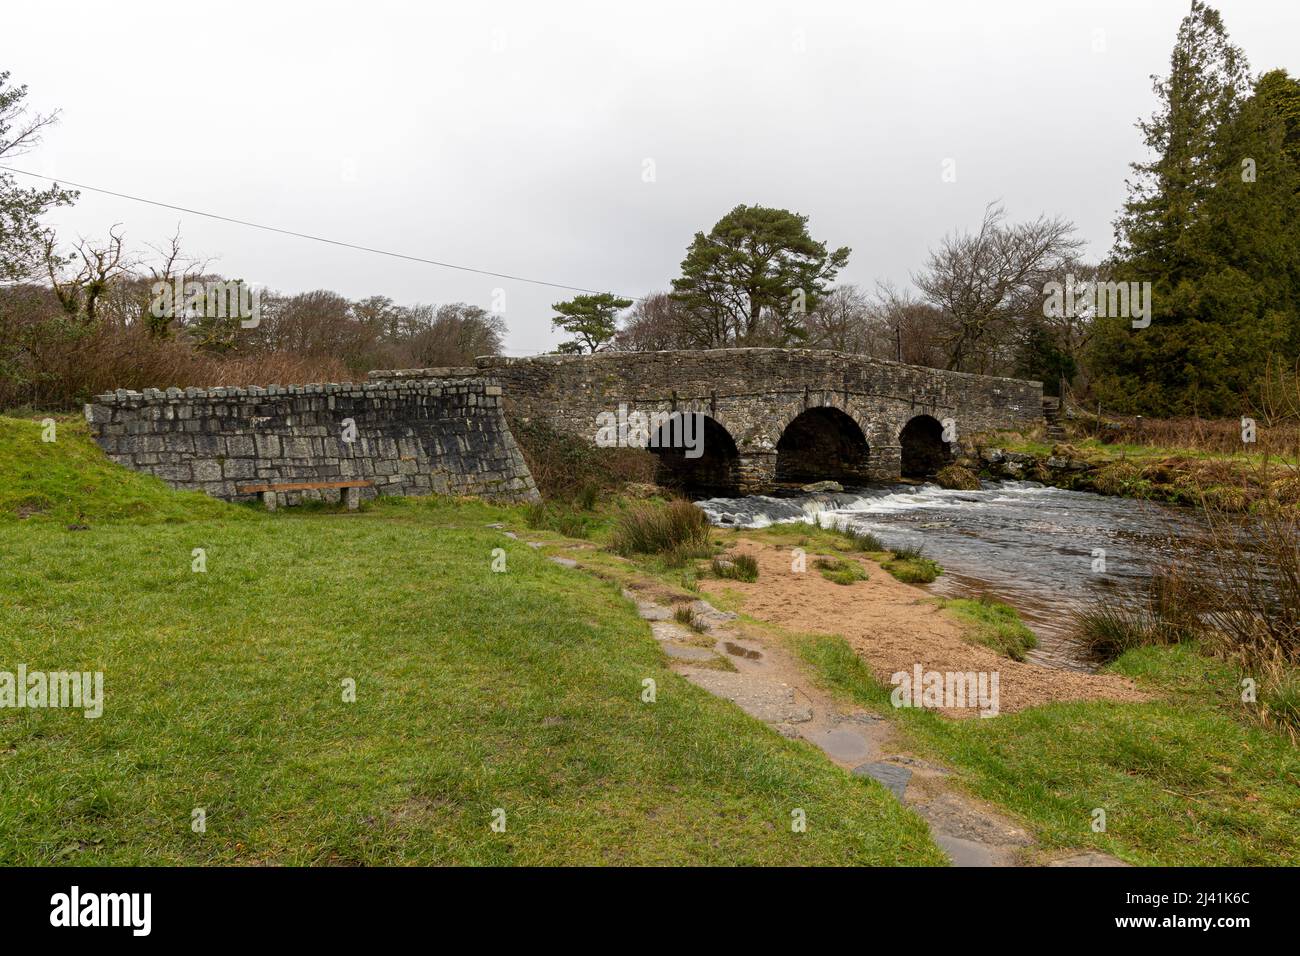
[
  {"x": 456, "y": 334},
  {"x": 97, "y": 268},
  {"x": 656, "y": 323},
  {"x": 173, "y": 265},
  {"x": 841, "y": 321},
  {"x": 986, "y": 281}
]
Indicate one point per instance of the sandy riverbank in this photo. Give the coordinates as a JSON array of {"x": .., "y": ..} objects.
[{"x": 895, "y": 626}]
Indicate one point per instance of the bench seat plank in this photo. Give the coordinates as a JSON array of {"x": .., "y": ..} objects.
[{"x": 301, "y": 486}]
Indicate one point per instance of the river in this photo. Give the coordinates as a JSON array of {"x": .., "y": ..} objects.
[{"x": 1033, "y": 546}]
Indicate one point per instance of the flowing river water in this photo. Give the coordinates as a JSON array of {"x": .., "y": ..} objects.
[{"x": 1033, "y": 546}]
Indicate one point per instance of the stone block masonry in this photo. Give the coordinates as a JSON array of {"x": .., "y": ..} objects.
[
  {"x": 755, "y": 395},
  {"x": 411, "y": 437}
]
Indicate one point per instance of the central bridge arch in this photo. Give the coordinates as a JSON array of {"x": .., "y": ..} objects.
[{"x": 823, "y": 443}]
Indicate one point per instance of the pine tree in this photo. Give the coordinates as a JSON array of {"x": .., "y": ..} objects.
[
  {"x": 590, "y": 319},
  {"x": 1213, "y": 222}
]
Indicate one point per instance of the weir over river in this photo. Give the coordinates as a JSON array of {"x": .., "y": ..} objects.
[{"x": 1030, "y": 545}]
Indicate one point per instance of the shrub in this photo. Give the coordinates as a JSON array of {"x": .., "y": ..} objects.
[
  {"x": 569, "y": 468},
  {"x": 677, "y": 527}
]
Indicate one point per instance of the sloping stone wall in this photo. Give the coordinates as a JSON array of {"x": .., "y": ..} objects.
[{"x": 418, "y": 436}]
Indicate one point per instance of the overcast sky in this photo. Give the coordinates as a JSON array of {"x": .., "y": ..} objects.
[{"x": 516, "y": 137}]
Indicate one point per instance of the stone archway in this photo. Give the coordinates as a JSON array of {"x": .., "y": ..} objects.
[
  {"x": 924, "y": 451},
  {"x": 822, "y": 443},
  {"x": 696, "y": 455}
]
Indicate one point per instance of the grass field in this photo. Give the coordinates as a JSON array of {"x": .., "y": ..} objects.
[
  {"x": 1183, "y": 780},
  {"x": 474, "y": 690}
]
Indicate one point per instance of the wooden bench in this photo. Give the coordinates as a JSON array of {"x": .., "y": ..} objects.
[{"x": 351, "y": 492}]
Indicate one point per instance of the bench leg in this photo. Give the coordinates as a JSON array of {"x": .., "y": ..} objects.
[
  {"x": 268, "y": 499},
  {"x": 352, "y": 498}
]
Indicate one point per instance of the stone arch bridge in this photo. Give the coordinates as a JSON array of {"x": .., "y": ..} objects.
[{"x": 769, "y": 416}]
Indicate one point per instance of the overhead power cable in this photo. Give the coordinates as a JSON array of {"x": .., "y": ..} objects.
[{"x": 305, "y": 235}]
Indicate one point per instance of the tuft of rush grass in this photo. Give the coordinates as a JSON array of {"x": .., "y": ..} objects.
[
  {"x": 1106, "y": 629},
  {"x": 230, "y": 691},
  {"x": 1187, "y": 779},
  {"x": 992, "y": 624},
  {"x": 562, "y": 519},
  {"x": 864, "y": 540},
  {"x": 737, "y": 567},
  {"x": 855, "y": 539},
  {"x": 840, "y": 570},
  {"x": 685, "y": 614},
  {"x": 70, "y": 481},
  {"x": 677, "y": 529}
]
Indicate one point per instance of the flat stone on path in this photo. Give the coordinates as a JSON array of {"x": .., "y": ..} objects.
[
  {"x": 564, "y": 562},
  {"x": 840, "y": 744},
  {"x": 965, "y": 852},
  {"x": 1088, "y": 859},
  {"x": 652, "y": 612},
  {"x": 772, "y": 702},
  {"x": 684, "y": 653},
  {"x": 648, "y": 610},
  {"x": 536, "y": 544},
  {"x": 890, "y": 774},
  {"x": 709, "y": 616},
  {"x": 668, "y": 631}
]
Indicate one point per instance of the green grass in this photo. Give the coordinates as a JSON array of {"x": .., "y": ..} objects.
[
  {"x": 912, "y": 569},
  {"x": 840, "y": 570},
  {"x": 475, "y": 690},
  {"x": 1186, "y": 779},
  {"x": 569, "y": 521},
  {"x": 992, "y": 624},
  {"x": 70, "y": 481}
]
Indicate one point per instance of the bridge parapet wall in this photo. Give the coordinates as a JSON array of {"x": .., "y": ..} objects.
[{"x": 756, "y": 393}]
